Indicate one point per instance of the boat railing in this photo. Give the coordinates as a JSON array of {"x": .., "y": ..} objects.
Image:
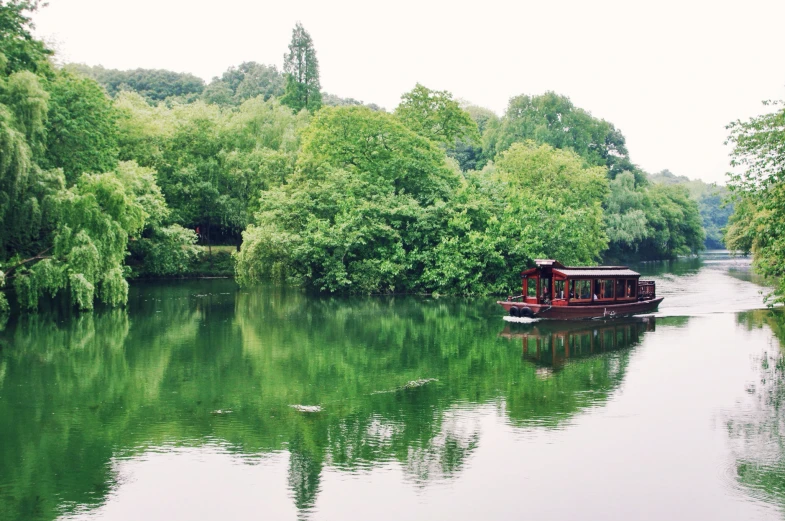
[
  {"x": 646, "y": 290},
  {"x": 513, "y": 299}
]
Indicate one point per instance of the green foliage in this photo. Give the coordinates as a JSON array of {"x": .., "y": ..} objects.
[
  {"x": 552, "y": 119},
  {"x": 303, "y": 90},
  {"x": 625, "y": 216},
  {"x": 15, "y": 161},
  {"x": 469, "y": 154},
  {"x": 24, "y": 187},
  {"x": 142, "y": 130},
  {"x": 758, "y": 224},
  {"x": 436, "y": 116},
  {"x": 48, "y": 276},
  {"x": 713, "y": 201},
  {"x": 94, "y": 220},
  {"x": 553, "y": 205},
  {"x": 23, "y": 94},
  {"x": 675, "y": 226},
  {"x": 4, "y": 306},
  {"x": 346, "y": 220},
  {"x": 375, "y": 145},
  {"x": 19, "y": 50},
  {"x": 153, "y": 85},
  {"x": 331, "y": 100},
  {"x": 376, "y": 208},
  {"x": 140, "y": 183},
  {"x": 652, "y": 221},
  {"x": 246, "y": 81},
  {"x": 164, "y": 252},
  {"x": 81, "y": 131},
  {"x": 715, "y": 209}
]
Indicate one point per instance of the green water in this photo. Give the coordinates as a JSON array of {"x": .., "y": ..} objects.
[{"x": 202, "y": 401}]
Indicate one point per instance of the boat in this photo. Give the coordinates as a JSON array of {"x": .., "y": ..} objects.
[{"x": 551, "y": 290}]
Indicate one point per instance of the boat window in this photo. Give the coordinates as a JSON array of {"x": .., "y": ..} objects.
[
  {"x": 632, "y": 286},
  {"x": 545, "y": 288},
  {"x": 582, "y": 289},
  {"x": 558, "y": 289},
  {"x": 606, "y": 289},
  {"x": 531, "y": 288},
  {"x": 620, "y": 287}
]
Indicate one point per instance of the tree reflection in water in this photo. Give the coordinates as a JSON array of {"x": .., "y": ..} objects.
[
  {"x": 395, "y": 380},
  {"x": 758, "y": 430}
]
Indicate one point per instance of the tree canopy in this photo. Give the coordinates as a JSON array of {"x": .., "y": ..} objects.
[
  {"x": 436, "y": 116},
  {"x": 553, "y": 119},
  {"x": 153, "y": 84}
]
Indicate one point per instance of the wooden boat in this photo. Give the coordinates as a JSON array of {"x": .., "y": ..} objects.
[{"x": 552, "y": 290}]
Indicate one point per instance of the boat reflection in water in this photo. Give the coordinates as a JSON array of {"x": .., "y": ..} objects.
[{"x": 549, "y": 344}]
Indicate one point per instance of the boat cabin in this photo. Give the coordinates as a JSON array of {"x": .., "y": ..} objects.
[{"x": 553, "y": 284}]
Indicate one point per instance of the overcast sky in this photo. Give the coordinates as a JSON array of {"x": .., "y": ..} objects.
[{"x": 670, "y": 74}]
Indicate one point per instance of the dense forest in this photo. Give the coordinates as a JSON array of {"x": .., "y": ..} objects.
[{"x": 107, "y": 175}]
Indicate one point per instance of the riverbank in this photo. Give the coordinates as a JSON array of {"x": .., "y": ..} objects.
[{"x": 212, "y": 262}]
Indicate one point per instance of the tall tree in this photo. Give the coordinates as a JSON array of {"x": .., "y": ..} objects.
[
  {"x": 19, "y": 51},
  {"x": 303, "y": 90}
]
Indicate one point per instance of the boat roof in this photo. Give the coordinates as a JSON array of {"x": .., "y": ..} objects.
[
  {"x": 597, "y": 272},
  {"x": 585, "y": 271}
]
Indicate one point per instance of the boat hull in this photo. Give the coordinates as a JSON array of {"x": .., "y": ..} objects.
[{"x": 578, "y": 312}]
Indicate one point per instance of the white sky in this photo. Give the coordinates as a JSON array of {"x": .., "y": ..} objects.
[{"x": 669, "y": 73}]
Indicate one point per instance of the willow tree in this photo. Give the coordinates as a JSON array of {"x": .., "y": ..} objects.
[
  {"x": 95, "y": 218},
  {"x": 301, "y": 66}
]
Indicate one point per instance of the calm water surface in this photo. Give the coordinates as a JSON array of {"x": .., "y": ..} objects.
[{"x": 202, "y": 401}]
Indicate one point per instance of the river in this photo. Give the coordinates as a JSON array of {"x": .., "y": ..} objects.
[{"x": 201, "y": 401}]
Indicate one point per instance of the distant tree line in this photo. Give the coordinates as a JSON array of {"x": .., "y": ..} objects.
[{"x": 106, "y": 175}]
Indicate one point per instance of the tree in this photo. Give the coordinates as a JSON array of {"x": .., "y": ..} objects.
[
  {"x": 25, "y": 216},
  {"x": 373, "y": 207},
  {"x": 19, "y": 51},
  {"x": 469, "y": 153},
  {"x": 95, "y": 218},
  {"x": 153, "y": 84},
  {"x": 553, "y": 205},
  {"x": 247, "y": 80},
  {"x": 758, "y": 223},
  {"x": 625, "y": 217},
  {"x": 303, "y": 90},
  {"x": 674, "y": 223},
  {"x": 436, "y": 116},
  {"x": 553, "y": 119},
  {"x": 713, "y": 201},
  {"x": 357, "y": 211},
  {"x": 377, "y": 145},
  {"x": 81, "y": 131}
]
